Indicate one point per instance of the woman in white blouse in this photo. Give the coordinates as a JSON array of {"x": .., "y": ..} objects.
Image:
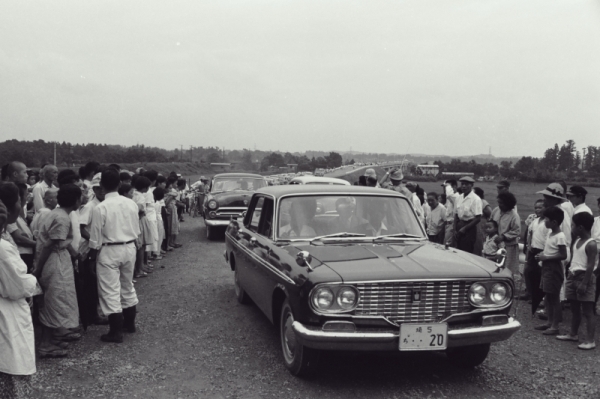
[{"x": 17, "y": 345}]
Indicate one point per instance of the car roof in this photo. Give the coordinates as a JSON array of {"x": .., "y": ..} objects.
[
  {"x": 319, "y": 180},
  {"x": 238, "y": 175},
  {"x": 317, "y": 189}
]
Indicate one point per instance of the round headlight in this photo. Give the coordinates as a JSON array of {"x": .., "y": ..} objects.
[
  {"x": 212, "y": 204},
  {"x": 323, "y": 298},
  {"x": 347, "y": 298},
  {"x": 477, "y": 294},
  {"x": 500, "y": 294}
]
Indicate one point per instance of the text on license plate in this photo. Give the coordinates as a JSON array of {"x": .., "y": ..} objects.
[{"x": 423, "y": 337}]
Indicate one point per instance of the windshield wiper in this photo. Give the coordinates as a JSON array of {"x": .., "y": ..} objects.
[
  {"x": 338, "y": 235},
  {"x": 399, "y": 235}
]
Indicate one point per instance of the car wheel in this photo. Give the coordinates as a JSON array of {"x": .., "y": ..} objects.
[
  {"x": 240, "y": 294},
  {"x": 299, "y": 360},
  {"x": 468, "y": 356}
]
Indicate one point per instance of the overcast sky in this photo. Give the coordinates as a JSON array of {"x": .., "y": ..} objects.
[{"x": 433, "y": 77}]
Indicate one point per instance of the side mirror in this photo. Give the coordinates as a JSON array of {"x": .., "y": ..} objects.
[
  {"x": 303, "y": 258},
  {"x": 500, "y": 259}
]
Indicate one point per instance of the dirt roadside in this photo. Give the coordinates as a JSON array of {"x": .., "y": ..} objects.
[{"x": 196, "y": 341}]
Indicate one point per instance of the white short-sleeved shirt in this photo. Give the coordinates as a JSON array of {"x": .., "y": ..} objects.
[
  {"x": 553, "y": 242},
  {"x": 539, "y": 233},
  {"x": 74, "y": 216},
  {"x": 467, "y": 208},
  {"x": 436, "y": 220},
  {"x": 582, "y": 208},
  {"x": 85, "y": 220}
]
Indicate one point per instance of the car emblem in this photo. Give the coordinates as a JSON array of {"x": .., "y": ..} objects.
[
  {"x": 416, "y": 296},
  {"x": 245, "y": 202}
]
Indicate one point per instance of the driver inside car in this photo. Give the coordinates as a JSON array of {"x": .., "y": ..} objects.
[
  {"x": 348, "y": 221},
  {"x": 302, "y": 212}
]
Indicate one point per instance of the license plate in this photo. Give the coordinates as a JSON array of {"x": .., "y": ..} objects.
[{"x": 423, "y": 337}]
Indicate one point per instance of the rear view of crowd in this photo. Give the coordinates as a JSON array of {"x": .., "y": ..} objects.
[{"x": 72, "y": 246}]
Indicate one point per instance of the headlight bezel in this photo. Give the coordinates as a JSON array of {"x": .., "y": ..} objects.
[
  {"x": 490, "y": 287},
  {"x": 212, "y": 204},
  {"x": 336, "y": 307}
]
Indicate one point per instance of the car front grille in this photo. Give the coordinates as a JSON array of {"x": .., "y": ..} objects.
[{"x": 396, "y": 300}]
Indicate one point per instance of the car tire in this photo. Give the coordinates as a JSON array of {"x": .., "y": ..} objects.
[
  {"x": 299, "y": 360},
  {"x": 468, "y": 356},
  {"x": 240, "y": 294}
]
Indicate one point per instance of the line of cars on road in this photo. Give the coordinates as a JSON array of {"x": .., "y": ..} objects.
[{"x": 340, "y": 267}]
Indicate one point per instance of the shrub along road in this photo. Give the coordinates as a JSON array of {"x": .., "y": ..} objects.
[{"x": 196, "y": 341}]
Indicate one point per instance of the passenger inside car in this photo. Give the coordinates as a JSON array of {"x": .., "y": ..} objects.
[
  {"x": 347, "y": 220},
  {"x": 302, "y": 213}
]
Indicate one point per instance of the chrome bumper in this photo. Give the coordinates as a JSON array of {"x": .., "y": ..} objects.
[
  {"x": 216, "y": 222},
  {"x": 314, "y": 337}
]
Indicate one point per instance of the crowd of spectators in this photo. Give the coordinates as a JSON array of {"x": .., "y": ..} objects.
[
  {"x": 560, "y": 242},
  {"x": 73, "y": 245}
]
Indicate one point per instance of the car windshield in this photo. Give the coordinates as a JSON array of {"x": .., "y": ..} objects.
[
  {"x": 341, "y": 216},
  {"x": 237, "y": 183}
]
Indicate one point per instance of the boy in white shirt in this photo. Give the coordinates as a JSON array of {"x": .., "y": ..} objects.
[
  {"x": 535, "y": 240},
  {"x": 581, "y": 282},
  {"x": 555, "y": 251}
]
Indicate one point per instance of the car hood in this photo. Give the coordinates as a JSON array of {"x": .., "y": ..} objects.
[
  {"x": 368, "y": 262},
  {"x": 236, "y": 198}
]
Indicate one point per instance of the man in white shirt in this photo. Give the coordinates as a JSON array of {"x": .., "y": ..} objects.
[
  {"x": 467, "y": 216},
  {"x": 576, "y": 196},
  {"x": 412, "y": 187},
  {"x": 49, "y": 174},
  {"x": 114, "y": 229},
  {"x": 450, "y": 187},
  {"x": 436, "y": 219}
]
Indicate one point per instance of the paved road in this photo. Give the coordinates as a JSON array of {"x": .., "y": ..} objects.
[{"x": 196, "y": 341}]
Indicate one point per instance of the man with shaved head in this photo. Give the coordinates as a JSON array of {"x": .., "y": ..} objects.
[
  {"x": 49, "y": 176},
  {"x": 15, "y": 172}
]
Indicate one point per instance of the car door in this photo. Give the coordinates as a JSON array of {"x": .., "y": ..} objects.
[
  {"x": 248, "y": 241},
  {"x": 263, "y": 274}
]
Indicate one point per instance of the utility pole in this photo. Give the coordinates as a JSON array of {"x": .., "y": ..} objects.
[
  {"x": 180, "y": 152},
  {"x": 55, "y": 153},
  {"x": 583, "y": 160},
  {"x": 191, "y": 154}
]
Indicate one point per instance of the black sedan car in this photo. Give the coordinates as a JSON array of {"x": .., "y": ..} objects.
[
  {"x": 350, "y": 268},
  {"x": 228, "y": 197}
]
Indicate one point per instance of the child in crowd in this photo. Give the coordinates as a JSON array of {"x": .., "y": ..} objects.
[
  {"x": 535, "y": 240},
  {"x": 581, "y": 282},
  {"x": 141, "y": 185},
  {"x": 490, "y": 247},
  {"x": 555, "y": 251},
  {"x": 159, "y": 195}
]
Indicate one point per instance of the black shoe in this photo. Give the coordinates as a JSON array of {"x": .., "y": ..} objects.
[
  {"x": 129, "y": 319},
  {"x": 524, "y": 297},
  {"x": 115, "y": 333}
]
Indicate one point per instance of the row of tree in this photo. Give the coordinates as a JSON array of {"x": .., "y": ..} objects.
[
  {"x": 558, "y": 162},
  {"x": 274, "y": 159}
]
